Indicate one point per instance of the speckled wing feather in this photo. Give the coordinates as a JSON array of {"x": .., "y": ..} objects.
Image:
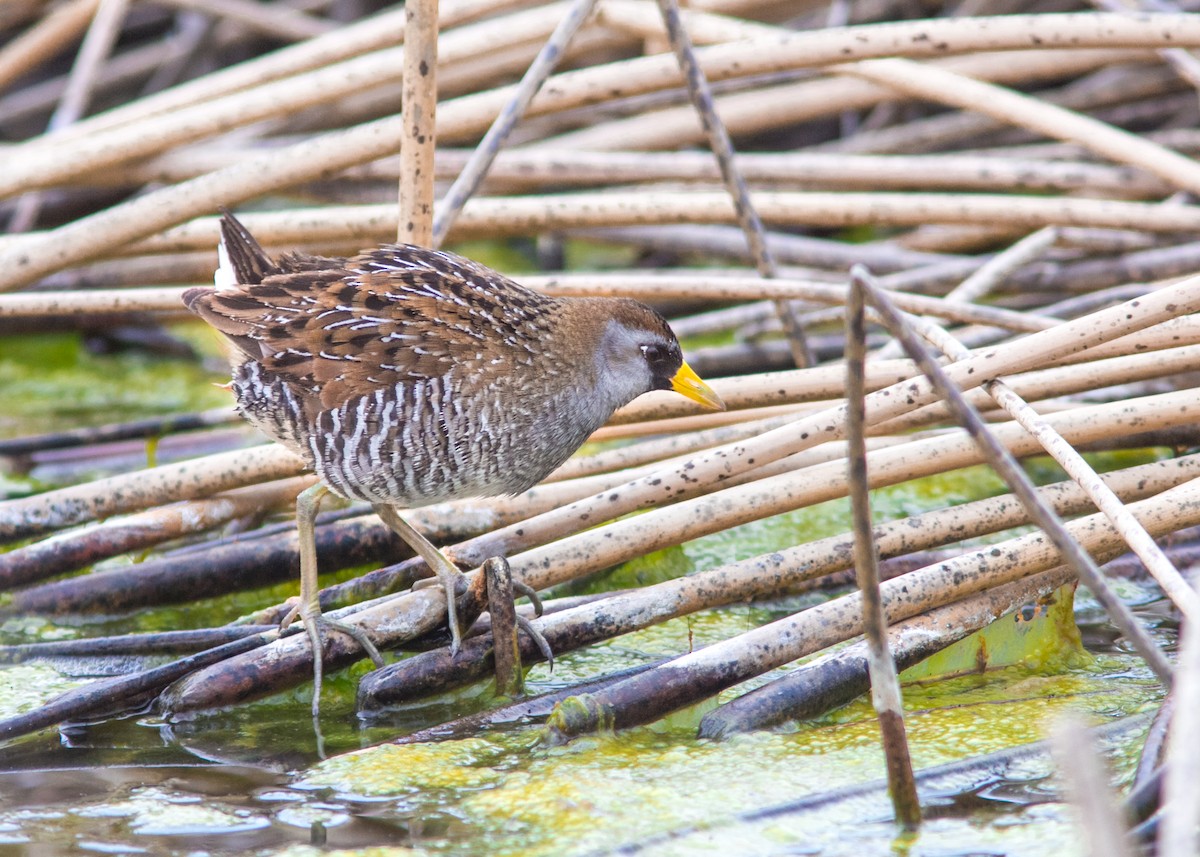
[
  {"x": 407, "y": 313},
  {"x": 240, "y": 306},
  {"x": 399, "y": 313}
]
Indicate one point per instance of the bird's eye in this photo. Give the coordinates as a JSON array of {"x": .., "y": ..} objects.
[
  {"x": 654, "y": 354},
  {"x": 663, "y": 360}
]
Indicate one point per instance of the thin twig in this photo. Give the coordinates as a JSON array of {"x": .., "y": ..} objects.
[
  {"x": 735, "y": 183},
  {"x": 278, "y": 21},
  {"x": 1180, "y": 809},
  {"x": 885, "y": 684},
  {"x": 45, "y": 39},
  {"x": 480, "y": 161},
  {"x": 1008, "y": 105},
  {"x": 97, "y": 45},
  {"x": 152, "y": 427},
  {"x": 988, "y": 276},
  {"x": 1087, "y": 787},
  {"x": 1181, "y": 593}
]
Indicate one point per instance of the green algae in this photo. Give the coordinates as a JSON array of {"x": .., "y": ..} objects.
[
  {"x": 394, "y": 768},
  {"x": 655, "y": 567},
  {"x": 1042, "y": 636},
  {"x": 315, "y": 851},
  {"x": 604, "y": 790},
  {"x": 25, "y": 687},
  {"x": 973, "y": 715},
  {"x": 51, "y": 382},
  {"x": 153, "y": 811},
  {"x": 832, "y": 517}
]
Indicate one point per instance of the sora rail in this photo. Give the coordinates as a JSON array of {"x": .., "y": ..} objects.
[{"x": 406, "y": 376}]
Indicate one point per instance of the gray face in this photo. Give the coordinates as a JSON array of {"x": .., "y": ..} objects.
[{"x": 632, "y": 360}]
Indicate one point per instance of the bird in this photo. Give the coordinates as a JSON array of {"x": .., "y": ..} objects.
[{"x": 405, "y": 376}]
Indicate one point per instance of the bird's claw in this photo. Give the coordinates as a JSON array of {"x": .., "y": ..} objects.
[{"x": 454, "y": 584}]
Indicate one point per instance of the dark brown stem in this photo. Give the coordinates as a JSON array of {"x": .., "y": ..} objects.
[
  {"x": 506, "y": 652},
  {"x": 885, "y": 685},
  {"x": 122, "y": 695}
]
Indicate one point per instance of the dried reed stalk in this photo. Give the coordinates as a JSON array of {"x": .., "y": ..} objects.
[{"x": 885, "y": 682}]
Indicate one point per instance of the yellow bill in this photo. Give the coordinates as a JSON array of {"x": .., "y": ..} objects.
[{"x": 688, "y": 383}]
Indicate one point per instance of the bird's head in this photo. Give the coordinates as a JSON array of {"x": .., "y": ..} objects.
[{"x": 638, "y": 352}]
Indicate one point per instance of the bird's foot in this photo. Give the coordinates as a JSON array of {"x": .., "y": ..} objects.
[
  {"x": 452, "y": 580},
  {"x": 313, "y": 622},
  {"x": 539, "y": 640}
]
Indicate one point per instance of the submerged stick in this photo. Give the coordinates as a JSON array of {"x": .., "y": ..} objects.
[
  {"x": 152, "y": 427},
  {"x": 153, "y": 643},
  {"x": 835, "y": 679},
  {"x": 698, "y": 675},
  {"x": 210, "y": 573},
  {"x": 124, "y": 694}
]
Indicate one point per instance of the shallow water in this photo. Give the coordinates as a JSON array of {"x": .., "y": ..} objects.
[{"x": 251, "y": 779}]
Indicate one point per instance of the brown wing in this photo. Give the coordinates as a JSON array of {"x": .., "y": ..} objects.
[
  {"x": 404, "y": 313},
  {"x": 400, "y": 313},
  {"x": 267, "y": 321},
  {"x": 245, "y": 309}
]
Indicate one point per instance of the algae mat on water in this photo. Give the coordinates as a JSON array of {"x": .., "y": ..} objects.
[{"x": 662, "y": 790}]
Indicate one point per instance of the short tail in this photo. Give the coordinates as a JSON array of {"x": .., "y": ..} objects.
[{"x": 242, "y": 259}]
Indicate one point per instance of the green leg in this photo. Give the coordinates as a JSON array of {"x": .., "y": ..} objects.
[
  {"x": 307, "y": 504},
  {"x": 309, "y": 608},
  {"x": 447, "y": 572}
]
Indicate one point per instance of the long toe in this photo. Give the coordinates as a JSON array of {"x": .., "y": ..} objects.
[
  {"x": 357, "y": 634},
  {"x": 318, "y": 656},
  {"x": 524, "y": 589},
  {"x": 539, "y": 640},
  {"x": 452, "y": 619},
  {"x": 452, "y": 581},
  {"x": 313, "y": 625}
]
